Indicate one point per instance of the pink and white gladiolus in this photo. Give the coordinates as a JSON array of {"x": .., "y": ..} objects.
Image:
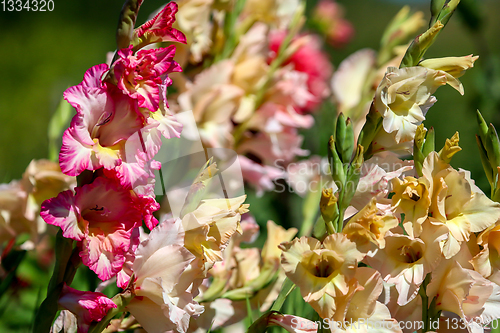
[{"x": 102, "y": 216}]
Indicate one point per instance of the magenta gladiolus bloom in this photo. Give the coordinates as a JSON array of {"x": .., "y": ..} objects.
[
  {"x": 105, "y": 119},
  {"x": 87, "y": 306},
  {"x": 140, "y": 75},
  {"x": 102, "y": 215},
  {"x": 110, "y": 131},
  {"x": 159, "y": 28}
]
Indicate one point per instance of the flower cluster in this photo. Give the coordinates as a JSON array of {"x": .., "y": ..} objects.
[
  {"x": 259, "y": 84},
  {"x": 121, "y": 116},
  {"x": 417, "y": 244},
  {"x": 393, "y": 237}
]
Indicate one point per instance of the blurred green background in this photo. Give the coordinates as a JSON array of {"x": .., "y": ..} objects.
[{"x": 43, "y": 53}]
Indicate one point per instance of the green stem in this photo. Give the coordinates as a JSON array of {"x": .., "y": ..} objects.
[
  {"x": 330, "y": 228},
  {"x": 64, "y": 270},
  {"x": 425, "y": 303},
  {"x": 339, "y": 225}
]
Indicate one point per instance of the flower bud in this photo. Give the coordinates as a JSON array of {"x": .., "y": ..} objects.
[
  {"x": 336, "y": 167},
  {"x": 450, "y": 148},
  {"x": 420, "y": 45},
  {"x": 328, "y": 205},
  {"x": 402, "y": 27}
]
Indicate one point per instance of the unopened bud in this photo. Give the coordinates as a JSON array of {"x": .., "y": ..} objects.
[
  {"x": 328, "y": 205},
  {"x": 450, "y": 148}
]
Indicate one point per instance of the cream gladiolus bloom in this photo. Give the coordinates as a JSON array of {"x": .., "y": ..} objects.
[
  {"x": 459, "y": 290},
  {"x": 209, "y": 227},
  {"x": 404, "y": 96},
  {"x": 369, "y": 225},
  {"x": 411, "y": 198},
  {"x": 322, "y": 271},
  {"x": 162, "y": 301},
  {"x": 457, "y": 203},
  {"x": 405, "y": 261},
  {"x": 359, "y": 310},
  {"x": 487, "y": 262}
]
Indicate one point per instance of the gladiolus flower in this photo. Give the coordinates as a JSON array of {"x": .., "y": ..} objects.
[
  {"x": 458, "y": 290},
  {"x": 87, "y": 306},
  {"x": 292, "y": 324},
  {"x": 322, "y": 271},
  {"x": 404, "y": 96},
  {"x": 105, "y": 119},
  {"x": 140, "y": 75},
  {"x": 329, "y": 17},
  {"x": 359, "y": 310},
  {"x": 210, "y": 226},
  {"x": 369, "y": 226},
  {"x": 102, "y": 215},
  {"x": 309, "y": 59},
  {"x": 455, "y": 204},
  {"x": 159, "y": 28},
  {"x": 411, "y": 198},
  {"x": 162, "y": 299},
  {"x": 405, "y": 261},
  {"x": 376, "y": 173},
  {"x": 487, "y": 262},
  {"x": 454, "y": 67}
]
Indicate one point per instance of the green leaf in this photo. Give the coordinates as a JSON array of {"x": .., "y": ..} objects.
[
  {"x": 484, "y": 160},
  {"x": 287, "y": 287}
]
